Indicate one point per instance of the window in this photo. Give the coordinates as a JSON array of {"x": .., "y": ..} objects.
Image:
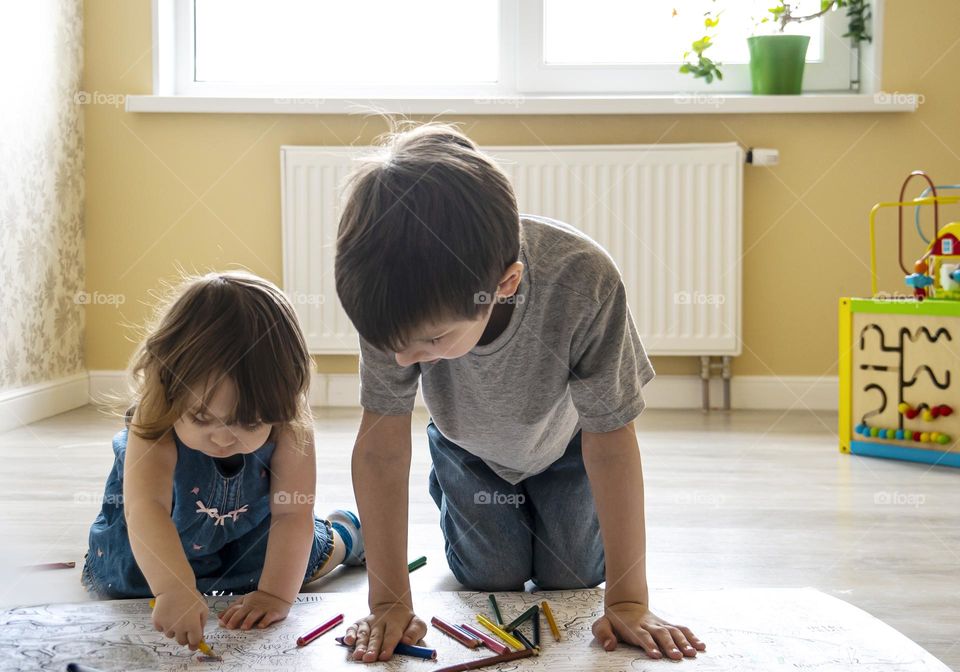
[
  {"x": 321, "y": 48},
  {"x": 356, "y": 43},
  {"x": 629, "y": 45},
  {"x": 444, "y": 48}
]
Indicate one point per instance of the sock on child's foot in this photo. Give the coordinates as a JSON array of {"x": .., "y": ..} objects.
[{"x": 347, "y": 526}]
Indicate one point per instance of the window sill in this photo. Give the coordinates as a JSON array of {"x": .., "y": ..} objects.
[{"x": 693, "y": 103}]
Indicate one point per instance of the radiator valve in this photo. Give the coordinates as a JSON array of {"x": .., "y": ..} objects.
[{"x": 760, "y": 156}]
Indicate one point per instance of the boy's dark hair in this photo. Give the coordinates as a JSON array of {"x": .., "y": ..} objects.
[{"x": 429, "y": 225}]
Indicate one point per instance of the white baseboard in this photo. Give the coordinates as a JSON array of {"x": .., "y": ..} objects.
[
  {"x": 28, "y": 404},
  {"x": 107, "y": 383},
  {"x": 747, "y": 392},
  {"x": 23, "y": 405},
  {"x": 342, "y": 390},
  {"x": 814, "y": 393}
]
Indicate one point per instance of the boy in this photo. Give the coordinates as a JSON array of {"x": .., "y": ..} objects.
[{"x": 531, "y": 368}]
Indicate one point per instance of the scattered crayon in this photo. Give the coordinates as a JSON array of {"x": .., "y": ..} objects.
[
  {"x": 459, "y": 628},
  {"x": 456, "y": 633},
  {"x": 527, "y": 644},
  {"x": 521, "y": 619},
  {"x": 551, "y": 620},
  {"x": 495, "y": 629},
  {"x": 496, "y": 609},
  {"x": 402, "y": 649},
  {"x": 417, "y": 564},
  {"x": 488, "y": 641},
  {"x": 51, "y": 565},
  {"x": 487, "y": 662},
  {"x": 415, "y": 651},
  {"x": 323, "y": 629}
]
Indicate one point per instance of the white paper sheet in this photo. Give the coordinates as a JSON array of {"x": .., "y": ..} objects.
[{"x": 756, "y": 629}]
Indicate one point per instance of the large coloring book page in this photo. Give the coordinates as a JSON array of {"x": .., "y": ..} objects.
[{"x": 747, "y": 629}]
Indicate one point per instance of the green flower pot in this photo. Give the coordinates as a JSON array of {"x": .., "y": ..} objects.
[{"x": 776, "y": 63}]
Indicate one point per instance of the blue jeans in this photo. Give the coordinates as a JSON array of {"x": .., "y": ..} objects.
[{"x": 498, "y": 535}]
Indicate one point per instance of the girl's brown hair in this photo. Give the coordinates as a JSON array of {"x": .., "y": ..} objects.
[{"x": 231, "y": 325}]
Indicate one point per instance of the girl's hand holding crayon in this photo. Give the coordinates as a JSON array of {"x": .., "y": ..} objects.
[
  {"x": 375, "y": 636},
  {"x": 634, "y": 623},
  {"x": 254, "y": 609},
  {"x": 180, "y": 615}
]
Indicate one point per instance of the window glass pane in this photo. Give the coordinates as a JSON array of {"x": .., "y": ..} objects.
[
  {"x": 638, "y": 32},
  {"x": 359, "y": 42}
]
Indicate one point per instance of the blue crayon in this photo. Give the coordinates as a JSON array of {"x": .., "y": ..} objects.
[
  {"x": 416, "y": 651},
  {"x": 403, "y": 650}
]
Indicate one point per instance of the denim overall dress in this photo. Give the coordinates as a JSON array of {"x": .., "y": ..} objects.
[{"x": 221, "y": 509}]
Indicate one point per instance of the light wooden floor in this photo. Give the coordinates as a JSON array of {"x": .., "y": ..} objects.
[{"x": 733, "y": 500}]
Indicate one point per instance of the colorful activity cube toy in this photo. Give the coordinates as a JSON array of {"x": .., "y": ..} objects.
[{"x": 900, "y": 354}]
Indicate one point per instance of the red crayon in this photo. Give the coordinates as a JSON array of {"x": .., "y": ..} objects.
[
  {"x": 326, "y": 627},
  {"x": 488, "y": 642},
  {"x": 455, "y": 632},
  {"x": 52, "y": 565}
]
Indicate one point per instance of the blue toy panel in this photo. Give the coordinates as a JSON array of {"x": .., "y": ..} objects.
[{"x": 895, "y": 452}]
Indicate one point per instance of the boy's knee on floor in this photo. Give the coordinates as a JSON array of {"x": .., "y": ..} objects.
[
  {"x": 554, "y": 575},
  {"x": 490, "y": 577}
]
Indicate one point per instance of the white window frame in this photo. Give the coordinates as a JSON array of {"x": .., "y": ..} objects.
[
  {"x": 831, "y": 73},
  {"x": 521, "y": 67}
]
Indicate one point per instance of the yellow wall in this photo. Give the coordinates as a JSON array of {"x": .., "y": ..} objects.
[{"x": 202, "y": 191}]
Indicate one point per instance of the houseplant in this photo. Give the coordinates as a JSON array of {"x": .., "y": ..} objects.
[{"x": 776, "y": 61}]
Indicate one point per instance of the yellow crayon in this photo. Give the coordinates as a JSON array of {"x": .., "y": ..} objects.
[
  {"x": 495, "y": 629},
  {"x": 551, "y": 620},
  {"x": 203, "y": 646}
]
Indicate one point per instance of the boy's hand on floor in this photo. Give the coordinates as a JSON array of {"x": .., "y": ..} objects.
[
  {"x": 181, "y": 615},
  {"x": 254, "y": 609},
  {"x": 634, "y": 623},
  {"x": 375, "y": 636}
]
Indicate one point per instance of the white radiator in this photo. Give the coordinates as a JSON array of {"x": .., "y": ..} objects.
[{"x": 670, "y": 215}]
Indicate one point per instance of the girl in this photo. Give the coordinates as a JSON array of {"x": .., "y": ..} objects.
[{"x": 212, "y": 487}]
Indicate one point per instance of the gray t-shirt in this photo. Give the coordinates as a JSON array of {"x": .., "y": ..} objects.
[{"x": 569, "y": 358}]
